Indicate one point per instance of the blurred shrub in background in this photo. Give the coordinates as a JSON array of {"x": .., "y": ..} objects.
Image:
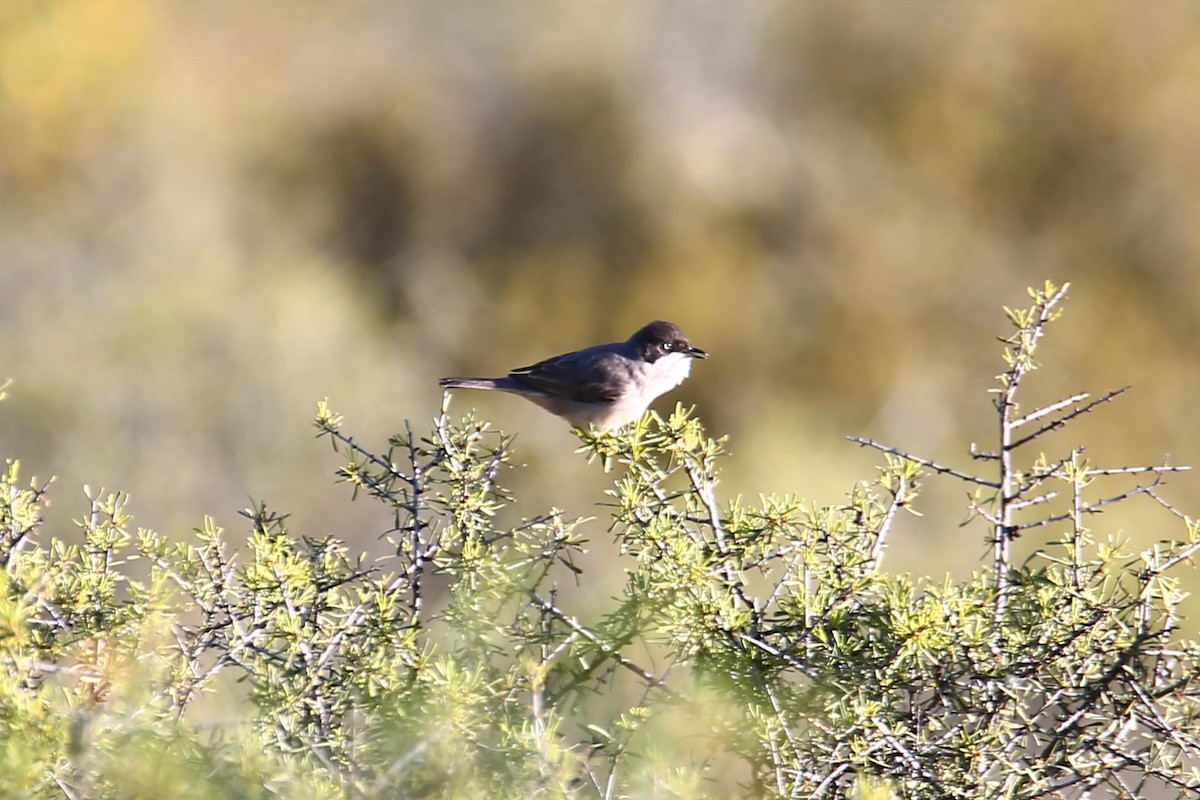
[{"x": 211, "y": 213}]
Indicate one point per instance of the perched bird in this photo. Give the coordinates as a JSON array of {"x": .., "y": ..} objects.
[{"x": 607, "y": 385}]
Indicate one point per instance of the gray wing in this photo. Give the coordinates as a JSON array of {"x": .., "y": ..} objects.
[{"x": 586, "y": 376}]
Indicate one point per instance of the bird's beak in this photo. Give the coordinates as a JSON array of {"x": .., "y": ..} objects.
[{"x": 696, "y": 352}]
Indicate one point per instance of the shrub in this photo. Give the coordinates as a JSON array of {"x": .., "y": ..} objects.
[{"x": 757, "y": 648}]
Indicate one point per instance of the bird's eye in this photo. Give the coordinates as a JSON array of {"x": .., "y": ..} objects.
[{"x": 668, "y": 345}]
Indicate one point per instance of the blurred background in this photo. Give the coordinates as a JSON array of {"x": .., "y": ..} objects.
[{"x": 212, "y": 215}]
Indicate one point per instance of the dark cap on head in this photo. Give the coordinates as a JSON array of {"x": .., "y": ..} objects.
[{"x": 661, "y": 338}]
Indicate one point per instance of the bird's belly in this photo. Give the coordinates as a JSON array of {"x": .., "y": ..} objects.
[{"x": 645, "y": 389}]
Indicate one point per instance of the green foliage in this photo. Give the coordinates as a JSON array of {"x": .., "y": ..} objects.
[{"x": 755, "y": 648}]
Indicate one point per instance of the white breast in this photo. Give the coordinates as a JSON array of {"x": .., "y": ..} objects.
[
  {"x": 646, "y": 383},
  {"x": 664, "y": 375}
]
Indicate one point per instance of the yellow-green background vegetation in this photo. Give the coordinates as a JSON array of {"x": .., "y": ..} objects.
[{"x": 214, "y": 214}]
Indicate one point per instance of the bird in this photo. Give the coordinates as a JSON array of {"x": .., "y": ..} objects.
[{"x": 606, "y": 385}]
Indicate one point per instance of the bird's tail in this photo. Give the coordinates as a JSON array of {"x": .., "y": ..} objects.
[{"x": 472, "y": 383}]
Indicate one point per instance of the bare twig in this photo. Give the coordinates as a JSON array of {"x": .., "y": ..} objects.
[
  {"x": 1169, "y": 507},
  {"x": 982, "y": 455},
  {"x": 907, "y": 756},
  {"x": 1158, "y": 469},
  {"x": 1033, "y": 501},
  {"x": 1061, "y": 421},
  {"x": 1050, "y": 409},
  {"x": 1181, "y": 556},
  {"x": 649, "y": 678},
  {"x": 924, "y": 462},
  {"x": 899, "y": 498},
  {"x": 1020, "y": 359}
]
